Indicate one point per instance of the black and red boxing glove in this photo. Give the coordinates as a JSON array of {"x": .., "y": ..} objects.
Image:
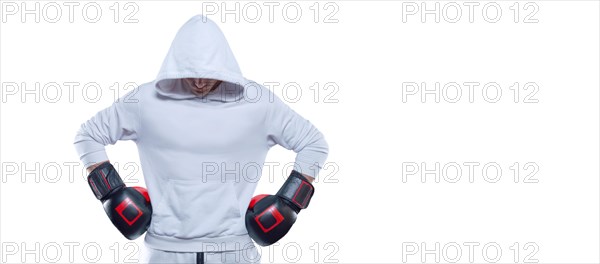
[
  {"x": 270, "y": 217},
  {"x": 129, "y": 209}
]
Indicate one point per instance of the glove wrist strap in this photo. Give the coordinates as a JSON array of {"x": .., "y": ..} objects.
[
  {"x": 297, "y": 190},
  {"x": 104, "y": 180}
]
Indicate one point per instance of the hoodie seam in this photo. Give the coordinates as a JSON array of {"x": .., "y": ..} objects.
[
  {"x": 139, "y": 115},
  {"x": 268, "y": 123}
]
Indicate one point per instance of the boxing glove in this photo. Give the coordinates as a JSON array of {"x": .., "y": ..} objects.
[
  {"x": 270, "y": 217},
  {"x": 129, "y": 209}
]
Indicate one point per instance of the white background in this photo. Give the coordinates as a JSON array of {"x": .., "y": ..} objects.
[{"x": 368, "y": 206}]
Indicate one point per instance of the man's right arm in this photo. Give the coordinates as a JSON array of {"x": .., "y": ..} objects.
[{"x": 120, "y": 121}]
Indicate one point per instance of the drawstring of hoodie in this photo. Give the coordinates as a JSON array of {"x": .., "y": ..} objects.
[{"x": 200, "y": 258}]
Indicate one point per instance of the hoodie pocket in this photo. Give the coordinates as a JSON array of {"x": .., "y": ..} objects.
[{"x": 194, "y": 209}]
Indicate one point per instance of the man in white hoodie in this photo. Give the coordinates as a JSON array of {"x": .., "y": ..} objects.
[{"x": 203, "y": 132}]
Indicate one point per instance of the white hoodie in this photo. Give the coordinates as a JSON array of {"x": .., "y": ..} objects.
[{"x": 201, "y": 157}]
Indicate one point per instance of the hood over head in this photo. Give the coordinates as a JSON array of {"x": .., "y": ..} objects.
[{"x": 200, "y": 50}]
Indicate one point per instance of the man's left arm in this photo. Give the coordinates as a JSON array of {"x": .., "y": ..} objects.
[
  {"x": 270, "y": 217},
  {"x": 292, "y": 131}
]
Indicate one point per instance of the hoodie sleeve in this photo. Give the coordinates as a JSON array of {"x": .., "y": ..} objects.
[
  {"x": 290, "y": 130},
  {"x": 120, "y": 121}
]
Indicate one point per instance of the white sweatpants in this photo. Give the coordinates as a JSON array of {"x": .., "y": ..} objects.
[{"x": 151, "y": 255}]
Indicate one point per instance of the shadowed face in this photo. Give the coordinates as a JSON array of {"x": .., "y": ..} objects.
[{"x": 201, "y": 87}]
